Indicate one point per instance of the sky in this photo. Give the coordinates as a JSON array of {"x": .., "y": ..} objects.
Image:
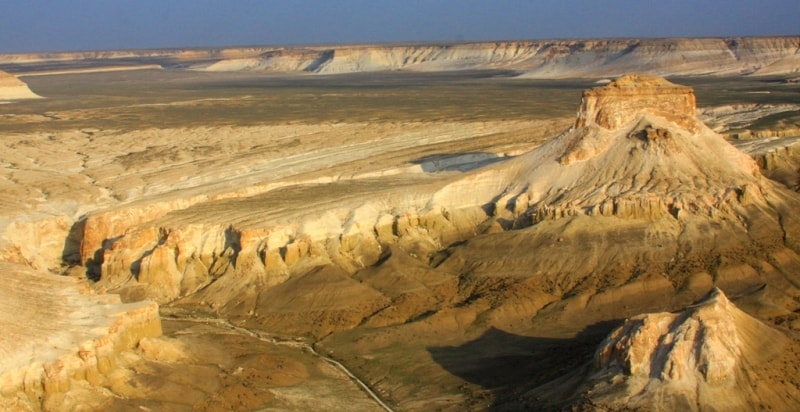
[{"x": 56, "y": 25}]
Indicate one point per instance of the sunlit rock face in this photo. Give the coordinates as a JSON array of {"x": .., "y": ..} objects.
[
  {"x": 636, "y": 150},
  {"x": 539, "y": 59},
  {"x": 546, "y": 59},
  {"x": 619, "y": 102},
  {"x": 58, "y": 334},
  {"x": 709, "y": 356},
  {"x": 12, "y": 88}
]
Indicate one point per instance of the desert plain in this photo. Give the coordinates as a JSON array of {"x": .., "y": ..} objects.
[{"x": 416, "y": 229}]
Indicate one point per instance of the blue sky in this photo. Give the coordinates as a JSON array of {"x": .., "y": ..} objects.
[{"x": 50, "y": 25}]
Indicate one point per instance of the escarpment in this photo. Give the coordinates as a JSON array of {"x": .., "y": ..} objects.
[
  {"x": 539, "y": 59},
  {"x": 57, "y": 335},
  {"x": 11, "y": 88},
  {"x": 637, "y": 176},
  {"x": 530, "y": 58},
  {"x": 174, "y": 259}
]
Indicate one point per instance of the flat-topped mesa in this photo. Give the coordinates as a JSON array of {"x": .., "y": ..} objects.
[{"x": 621, "y": 101}]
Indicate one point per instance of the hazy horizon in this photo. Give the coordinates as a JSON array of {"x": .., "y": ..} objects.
[{"x": 149, "y": 24}]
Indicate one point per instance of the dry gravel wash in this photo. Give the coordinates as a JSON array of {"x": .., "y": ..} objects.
[{"x": 293, "y": 343}]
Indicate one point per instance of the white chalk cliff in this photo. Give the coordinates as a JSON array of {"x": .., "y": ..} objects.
[
  {"x": 541, "y": 59},
  {"x": 529, "y": 58},
  {"x": 11, "y": 88}
]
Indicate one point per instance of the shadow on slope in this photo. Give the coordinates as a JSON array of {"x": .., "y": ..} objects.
[{"x": 508, "y": 365}]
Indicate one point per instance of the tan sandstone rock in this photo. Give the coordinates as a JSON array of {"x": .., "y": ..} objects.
[
  {"x": 56, "y": 332},
  {"x": 712, "y": 355},
  {"x": 11, "y": 88}
]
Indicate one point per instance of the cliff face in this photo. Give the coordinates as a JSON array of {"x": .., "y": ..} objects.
[
  {"x": 551, "y": 59},
  {"x": 547, "y": 59},
  {"x": 707, "y": 357},
  {"x": 12, "y": 88},
  {"x": 539, "y": 59},
  {"x": 618, "y": 103},
  {"x": 56, "y": 333}
]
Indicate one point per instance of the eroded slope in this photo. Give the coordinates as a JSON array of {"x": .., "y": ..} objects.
[
  {"x": 12, "y": 88},
  {"x": 711, "y": 355},
  {"x": 638, "y": 207},
  {"x": 57, "y": 335}
]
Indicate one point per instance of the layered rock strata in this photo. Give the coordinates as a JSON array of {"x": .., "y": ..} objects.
[
  {"x": 539, "y": 59},
  {"x": 638, "y": 207},
  {"x": 12, "y": 88},
  {"x": 778, "y": 158},
  {"x": 543, "y": 59},
  {"x": 710, "y": 356},
  {"x": 620, "y": 102},
  {"x": 57, "y": 333}
]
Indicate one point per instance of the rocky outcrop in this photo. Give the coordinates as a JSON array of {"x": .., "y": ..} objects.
[
  {"x": 57, "y": 333},
  {"x": 622, "y": 101},
  {"x": 778, "y": 158},
  {"x": 632, "y": 210},
  {"x": 710, "y": 356},
  {"x": 12, "y": 88},
  {"x": 636, "y": 151},
  {"x": 175, "y": 261}
]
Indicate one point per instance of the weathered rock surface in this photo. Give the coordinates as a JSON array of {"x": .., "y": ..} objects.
[
  {"x": 621, "y": 101},
  {"x": 709, "y": 356},
  {"x": 741, "y": 121},
  {"x": 12, "y": 88},
  {"x": 543, "y": 59},
  {"x": 636, "y": 152},
  {"x": 539, "y": 59},
  {"x": 608, "y": 220},
  {"x": 57, "y": 333},
  {"x": 778, "y": 158},
  {"x": 625, "y": 201}
]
